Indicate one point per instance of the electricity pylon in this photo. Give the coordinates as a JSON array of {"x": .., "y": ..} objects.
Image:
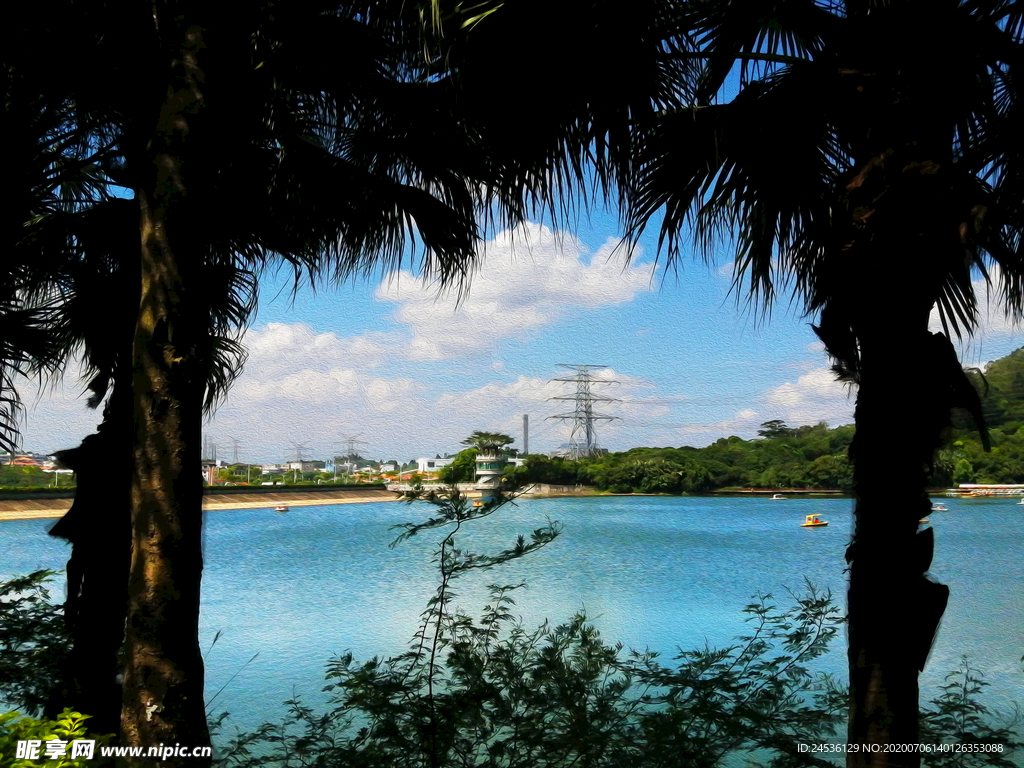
[
  {"x": 300, "y": 451},
  {"x": 352, "y": 452},
  {"x": 234, "y": 442},
  {"x": 583, "y": 437}
]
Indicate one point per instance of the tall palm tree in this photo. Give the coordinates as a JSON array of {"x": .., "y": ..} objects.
[
  {"x": 866, "y": 158},
  {"x": 240, "y": 139},
  {"x": 66, "y": 221},
  {"x": 862, "y": 153}
]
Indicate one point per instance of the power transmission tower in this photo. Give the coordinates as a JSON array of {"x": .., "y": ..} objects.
[
  {"x": 300, "y": 451},
  {"x": 234, "y": 442},
  {"x": 352, "y": 442},
  {"x": 351, "y": 450},
  {"x": 583, "y": 437}
]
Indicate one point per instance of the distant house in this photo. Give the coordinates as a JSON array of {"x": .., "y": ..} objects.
[
  {"x": 209, "y": 471},
  {"x": 430, "y": 466}
]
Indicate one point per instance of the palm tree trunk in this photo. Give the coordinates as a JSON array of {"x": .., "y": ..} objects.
[
  {"x": 163, "y": 684},
  {"x": 163, "y": 681},
  {"x": 97, "y": 526},
  {"x": 894, "y": 609}
]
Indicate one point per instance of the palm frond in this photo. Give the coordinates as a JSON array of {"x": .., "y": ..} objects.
[{"x": 772, "y": 187}]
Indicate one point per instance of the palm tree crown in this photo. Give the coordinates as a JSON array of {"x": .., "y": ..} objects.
[{"x": 488, "y": 442}]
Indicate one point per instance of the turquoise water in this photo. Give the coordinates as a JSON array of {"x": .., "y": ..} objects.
[{"x": 652, "y": 572}]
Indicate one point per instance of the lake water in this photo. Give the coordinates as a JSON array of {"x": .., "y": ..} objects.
[{"x": 652, "y": 572}]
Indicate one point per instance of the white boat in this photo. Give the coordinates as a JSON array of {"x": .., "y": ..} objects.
[
  {"x": 939, "y": 508},
  {"x": 778, "y": 497},
  {"x": 281, "y": 508},
  {"x": 1020, "y": 503}
]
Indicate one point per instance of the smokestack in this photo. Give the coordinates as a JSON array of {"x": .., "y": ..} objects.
[{"x": 526, "y": 434}]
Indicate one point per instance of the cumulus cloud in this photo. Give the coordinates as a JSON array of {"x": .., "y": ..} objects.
[
  {"x": 528, "y": 279},
  {"x": 813, "y": 397},
  {"x": 279, "y": 347},
  {"x": 55, "y": 417}
]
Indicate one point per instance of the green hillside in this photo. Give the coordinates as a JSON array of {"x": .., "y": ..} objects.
[{"x": 808, "y": 456}]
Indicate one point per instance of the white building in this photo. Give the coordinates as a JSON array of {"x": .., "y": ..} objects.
[
  {"x": 430, "y": 466},
  {"x": 489, "y": 469}
]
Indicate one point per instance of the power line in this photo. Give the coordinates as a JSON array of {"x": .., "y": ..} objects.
[{"x": 583, "y": 436}]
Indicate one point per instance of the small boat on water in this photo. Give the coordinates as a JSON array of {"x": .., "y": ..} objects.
[
  {"x": 778, "y": 497},
  {"x": 1020, "y": 503},
  {"x": 924, "y": 520},
  {"x": 939, "y": 508},
  {"x": 281, "y": 508},
  {"x": 813, "y": 521}
]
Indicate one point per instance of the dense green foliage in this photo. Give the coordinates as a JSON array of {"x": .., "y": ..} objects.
[
  {"x": 34, "y": 642},
  {"x": 67, "y": 727},
  {"x": 964, "y": 460},
  {"x": 804, "y": 457},
  {"x": 461, "y": 470},
  {"x": 29, "y": 477}
]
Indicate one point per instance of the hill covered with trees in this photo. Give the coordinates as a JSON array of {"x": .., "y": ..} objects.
[
  {"x": 808, "y": 456},
  {"x": 782, "y": 457}
]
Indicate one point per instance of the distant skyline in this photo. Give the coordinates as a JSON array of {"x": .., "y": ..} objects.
[{"x": 411, "y": 373}]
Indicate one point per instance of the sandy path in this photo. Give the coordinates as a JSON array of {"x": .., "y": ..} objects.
[{"x": 29, "y": 509}]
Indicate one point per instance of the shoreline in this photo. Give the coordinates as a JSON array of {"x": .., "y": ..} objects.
[{"x": 56, "y": 508}]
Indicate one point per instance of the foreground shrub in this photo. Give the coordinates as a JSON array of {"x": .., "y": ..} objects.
[
  {"x": 66, "y": 729},
  {"x": 964, "y": 732},
  {"x": 34, "y": 642},
  {"x": 488, "y": 692}
]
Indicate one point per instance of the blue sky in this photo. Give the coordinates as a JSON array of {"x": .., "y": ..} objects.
[{"x": 387, "y": 359}]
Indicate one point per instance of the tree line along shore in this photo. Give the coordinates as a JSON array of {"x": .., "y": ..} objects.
[{"x": 781, "y": 457}]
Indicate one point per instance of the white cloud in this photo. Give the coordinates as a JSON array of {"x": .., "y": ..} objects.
[
  {"x": 726, "y": 269},
  {"x": 813, "y": 397},
  {"x": 528, "y": 279},
  {"x": 279, "y": 347}
]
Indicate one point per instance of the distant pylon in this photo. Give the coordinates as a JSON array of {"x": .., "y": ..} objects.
[
  {"x": 352, "y": 450},
  {"x": 300, "y": 451},
  {"x": 235, "y": 442},
  {"x": 583, "y": 438}
]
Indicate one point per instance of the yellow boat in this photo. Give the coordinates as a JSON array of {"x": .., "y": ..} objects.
[{"x": 812, "y": 521}]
